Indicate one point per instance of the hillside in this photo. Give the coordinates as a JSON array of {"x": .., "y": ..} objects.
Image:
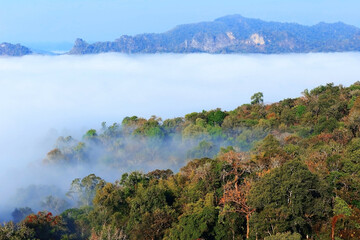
[{"x": 234, "y": 34}]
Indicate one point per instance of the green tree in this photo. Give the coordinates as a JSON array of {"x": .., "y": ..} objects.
[
  {"x": 197, "y": 222},
  {"x": 11, "y": 231},
  {"x": 341, "y": 210},
  {"x": 151, "y": 212},
  {"x": 111, "y": 206},
  {"x": 90, "y": 134},
  {"x": 84, "y": 190},
  {"x": 289, "y": 198},
  {"x": 229, "y": 226},
  {"x": 269, "y": 152},
  {"x": 160, "y": 174},
  {"x": 257, "y": 98},
  {"x": 77, "y": 222},
  {"x": 216, "y": 117}
]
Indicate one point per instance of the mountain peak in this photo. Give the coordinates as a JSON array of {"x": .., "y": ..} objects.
[
  {"x": 233, "y": 17},
  {"x": 80, "y": 42},
  {"x": 80, "y": 47},
  {"x": 236, "y": 18},
  {"x": 8, "y": 49}
]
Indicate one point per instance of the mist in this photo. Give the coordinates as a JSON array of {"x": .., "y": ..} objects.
[{"x": 44, "y": 97}]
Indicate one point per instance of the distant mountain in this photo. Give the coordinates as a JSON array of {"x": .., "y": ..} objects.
[
  {"x": 234, "y": 34},
  {"x": 9, "y": 49}
]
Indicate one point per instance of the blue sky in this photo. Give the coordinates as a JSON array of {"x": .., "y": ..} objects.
[{"x": 39, "y": 21}]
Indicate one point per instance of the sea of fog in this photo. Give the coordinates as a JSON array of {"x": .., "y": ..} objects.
[{"x": 43, "y": 97}]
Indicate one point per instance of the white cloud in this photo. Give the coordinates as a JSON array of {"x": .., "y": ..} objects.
[{"x": 73, "y": 93}]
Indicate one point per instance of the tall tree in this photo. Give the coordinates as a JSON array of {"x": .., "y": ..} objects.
[
  {"x": 237, "y": 189},
  {"x": 237, "y": 197},
  {"x": 84, "y": 190},
  {"x": 257, "y": 98},
  {"x": 289, "y": 198}
]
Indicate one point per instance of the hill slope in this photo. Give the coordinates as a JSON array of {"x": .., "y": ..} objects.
[{"x": 290, "y": 169}]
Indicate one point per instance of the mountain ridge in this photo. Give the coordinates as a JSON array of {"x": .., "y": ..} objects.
[
  {"x": 234, "y": 34},
  {"x": 227, "y": 34}
]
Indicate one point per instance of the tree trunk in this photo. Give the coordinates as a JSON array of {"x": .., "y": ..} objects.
[
  {"x": 247, "y": 225},
  {"x": 333, "y": 225}
]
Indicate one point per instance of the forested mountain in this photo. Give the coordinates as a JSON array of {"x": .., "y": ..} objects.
[
  {"x": 286, "y": 170},
  {"x": 234, "y": 34},
  {"x": 9, "y": 49}
]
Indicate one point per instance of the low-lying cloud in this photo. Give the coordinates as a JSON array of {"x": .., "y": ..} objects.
[{"x": 43, "y": 97}]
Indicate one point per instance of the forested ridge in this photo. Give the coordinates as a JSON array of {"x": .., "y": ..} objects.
[
  {"x": 234, "y": 34},
  {"x": 286, "y": 170}
]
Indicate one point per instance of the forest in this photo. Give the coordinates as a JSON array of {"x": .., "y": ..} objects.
[{"x": 288, "y": 170}]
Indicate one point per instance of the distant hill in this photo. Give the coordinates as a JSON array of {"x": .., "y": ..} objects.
[
  {"x": 234, "y": 34},
  {"x": 9, "y": 49}
]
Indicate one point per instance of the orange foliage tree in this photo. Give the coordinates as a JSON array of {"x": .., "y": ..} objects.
[
  {"x": 236, "y": 191},
  {"x": 45, "y": 225}
]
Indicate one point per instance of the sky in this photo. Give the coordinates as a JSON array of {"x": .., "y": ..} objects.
[{"x": 41, "y": 23}]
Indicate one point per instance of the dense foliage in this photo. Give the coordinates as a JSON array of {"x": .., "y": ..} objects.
[{"x": 287, "y": 170}]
